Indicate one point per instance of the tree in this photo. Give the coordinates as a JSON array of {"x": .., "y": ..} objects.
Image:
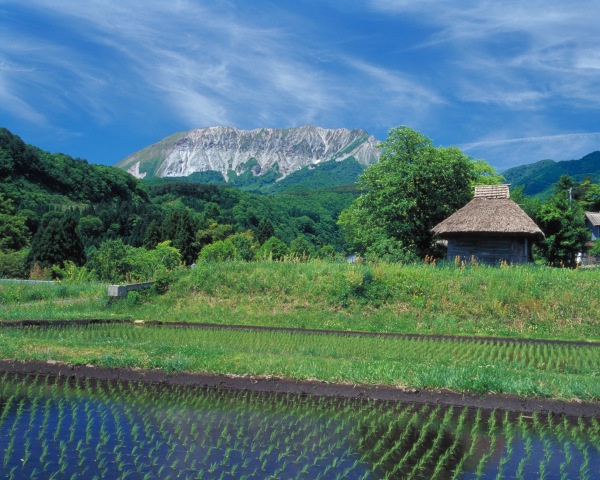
[
  {"x": 153, "y": 235},
  {"x": 244, "y": 245},
  {"x": 14, "y": 233},
  {"x": 301, "y": 247},
  {"x": 213, "y": 233},
  {"x": 413, "y": 187},
  {"x": 14, "y": 264},
  {"x": 563, "y": 222},
  {"x": 90, "y": 228},
  {"x": 114, "y": 261},
  {"x": 264, "y": 231},
  {"x": 219, "y": 251},
  {"x": 180, "y": 227},
  {"x": 590, "y": 195},
  {"x": 57, "y": 242},
  {"x": 110, "y": 261}
]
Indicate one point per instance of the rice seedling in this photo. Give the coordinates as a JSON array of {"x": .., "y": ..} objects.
[{"x": 114, "y": 430}]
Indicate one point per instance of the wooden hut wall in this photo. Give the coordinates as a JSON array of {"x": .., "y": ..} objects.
[
  {"x": 595, "y": 230},
  {"x": 489, "y": 250}
]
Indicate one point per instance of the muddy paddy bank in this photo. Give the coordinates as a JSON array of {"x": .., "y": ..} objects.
[{"x": 314, "y": 388}]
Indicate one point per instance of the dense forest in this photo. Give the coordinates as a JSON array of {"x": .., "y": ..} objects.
[
  {"x": 57, "y": 209},
  {"x": 60, "y": 215}
]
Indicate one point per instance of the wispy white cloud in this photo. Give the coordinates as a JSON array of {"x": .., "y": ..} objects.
[
  {"x": 209, "y": 64},
  {"x": 536, "y": 46},
  {"x": 508, "y": 152},
  {"x": 458, "y": 71}
]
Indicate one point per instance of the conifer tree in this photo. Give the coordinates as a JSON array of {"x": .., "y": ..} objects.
[
  {"x": 56, "y": 243},
  {"x": 152, "y": 236},
  {"x": 264, "y": 231}
]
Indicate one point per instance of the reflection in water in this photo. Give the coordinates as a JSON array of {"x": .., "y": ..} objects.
[{"x": 128, "y": 430}]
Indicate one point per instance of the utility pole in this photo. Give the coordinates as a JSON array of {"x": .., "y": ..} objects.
[{"x": 570, "y": 197}]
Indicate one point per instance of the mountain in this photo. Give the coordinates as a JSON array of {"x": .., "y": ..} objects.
[
  {"x": 250, "y": 157},
  {"x": 539, "y": 178}
]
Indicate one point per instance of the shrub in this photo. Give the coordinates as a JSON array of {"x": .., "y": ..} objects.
[
  {"x": 114, "y": 261},
  {"x": 301, "y": 247},
  {"x": 273, "y": 249},
  {"x": 244, "y": 246},
  {"x": 218, "y": 251},
  {"x": 110, "y": 261},
  {"x": 14, "y": 264}
]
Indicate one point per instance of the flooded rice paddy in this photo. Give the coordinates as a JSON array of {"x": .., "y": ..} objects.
[{"x": 52, "y": 428}]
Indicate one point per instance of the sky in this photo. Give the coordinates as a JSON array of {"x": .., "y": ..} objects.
[{"x": 511, "y": 82}]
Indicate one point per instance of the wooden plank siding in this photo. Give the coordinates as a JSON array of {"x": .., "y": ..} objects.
[
  {"x": 489, "y": 249},
  {"x": 595, "y": 230}
]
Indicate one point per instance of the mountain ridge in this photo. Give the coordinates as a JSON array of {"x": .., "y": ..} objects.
[
  {"x": 265, "y": 151},
  {"x": 538, "y": 178}
]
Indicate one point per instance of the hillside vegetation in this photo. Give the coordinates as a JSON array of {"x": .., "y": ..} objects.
[
  {"x": 538, "y": 178},
  {"x": 60, "y": 213},
  {"x": 527, "y": 301},
  {"x": 46, "y": 199},
  {"x": 39, "y": 180}
]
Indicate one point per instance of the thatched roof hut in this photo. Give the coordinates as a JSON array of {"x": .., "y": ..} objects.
[
  {"x": 491, "y": 228},
  {"x": 592, "y": 221}
]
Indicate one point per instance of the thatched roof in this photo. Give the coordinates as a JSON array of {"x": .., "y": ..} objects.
[
  {"x": 593, "y": 217},
  {"x": 489, "y": 215},
  {"x": 492, "y": 191}
]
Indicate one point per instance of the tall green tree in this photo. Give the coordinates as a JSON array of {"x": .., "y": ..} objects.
[
  {"x": 180, "y": 227},
  {"x": 590, "y": 195},
  {"x": 153, "y": 235},
  {"x": 265, "y": 230},
  {"x": 414, "y": 186},
  {"x": 562, "y": 219},
  {"x": 56, "y": 243},
  {"x": 14, "y": 233}
]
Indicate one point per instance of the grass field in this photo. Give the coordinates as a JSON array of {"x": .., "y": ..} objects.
[{"x": 536, "y": 302}]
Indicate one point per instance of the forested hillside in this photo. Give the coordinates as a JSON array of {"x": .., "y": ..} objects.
[
  {"x": 60, "y": 215},
  {"x": 57, "y": 209},
  {"x": 323, "y": 176},
  {"x": 35, "y": 179},
  {"x": 538, "y": 178}
]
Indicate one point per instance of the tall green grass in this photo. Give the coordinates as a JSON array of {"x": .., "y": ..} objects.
[
  {"x": 15, "y": 295},
  {"x": 521, "y": 301}
]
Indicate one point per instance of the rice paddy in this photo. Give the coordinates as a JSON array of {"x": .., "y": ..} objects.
[
  {"x": 83, "y": 429},
  {"x": 535, "y": 369}
]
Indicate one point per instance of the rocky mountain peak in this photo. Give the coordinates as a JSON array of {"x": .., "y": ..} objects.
[{"x": 228, "y": 149}]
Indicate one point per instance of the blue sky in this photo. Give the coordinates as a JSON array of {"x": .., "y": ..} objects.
[{"x": 508, "y": 81}]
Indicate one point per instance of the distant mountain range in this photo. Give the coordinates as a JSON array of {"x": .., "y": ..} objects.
[
  {"x": 539, "y": 178},
  {"x": 266, "y": 159}
]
